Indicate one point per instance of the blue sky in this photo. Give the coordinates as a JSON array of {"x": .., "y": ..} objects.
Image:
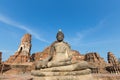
[{"x": 88, "y": 25}]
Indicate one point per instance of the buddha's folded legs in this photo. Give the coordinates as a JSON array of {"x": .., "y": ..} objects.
[{"x": 58, "y": 63}]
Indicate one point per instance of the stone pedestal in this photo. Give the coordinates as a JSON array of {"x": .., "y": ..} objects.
[
  {"x": 70, "y": 77},
  {"x": 18, "y": 69},
  {"x": 77, "y": 71}
]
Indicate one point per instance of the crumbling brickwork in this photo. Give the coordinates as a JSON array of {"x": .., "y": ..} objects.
[{"x": 23, "y": 53}]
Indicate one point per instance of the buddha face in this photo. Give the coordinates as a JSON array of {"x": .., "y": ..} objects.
[{"x": 60, "y": 36}]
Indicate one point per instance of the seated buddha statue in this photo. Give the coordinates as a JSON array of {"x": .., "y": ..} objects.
[
  {"x": 60, "y": 54},
  {"x": 59, "y": 64}
]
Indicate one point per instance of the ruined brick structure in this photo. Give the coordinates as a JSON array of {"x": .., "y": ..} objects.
[
  {"x": 97, "y": 63},
  {"x": 100, "y": 66},
  {"x": 114, "y": 66},
  {"x": 23, "y": 53},
  {"x": 77, "y": 56},
  {"x": 40, "y": 55},
  {"x": 112, "y": 59}
]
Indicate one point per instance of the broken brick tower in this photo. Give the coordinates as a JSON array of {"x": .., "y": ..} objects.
[{"x": 23, "y": 53}]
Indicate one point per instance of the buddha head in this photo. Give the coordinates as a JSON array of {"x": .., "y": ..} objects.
[{"x": 60, "y": 36}]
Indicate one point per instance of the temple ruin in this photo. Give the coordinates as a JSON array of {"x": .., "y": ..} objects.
[
  {"x": 22, "y": 61},
  {"x": 114, "y": 66},
  {"x": 23, "y": 53}
]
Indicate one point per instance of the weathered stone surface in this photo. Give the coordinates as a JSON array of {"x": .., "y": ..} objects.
[
  {"x": 112, "y": 59},
  {"x": 44, "y": 54},
  {"x": 93, "y": 57},
  {"x": 59, "y": 62},
  {"x": 59, "y": 54},
  {"x": 80, "y": 68},
  {"x": 40, "y": 55},
  {"x": 4, "y": 67},
  {"x": 25, "y": 45},
  {"x": 73, "y": 67},
  {"x": 23, "y": 53},
  {"x": 80, "y": 77},
  {"x": 56, "y": 63},
  {"x": 20, "y": 68},
  {"x": 97, "y": 63},
  {"x": 114, "y": 66},
  {"x": 16, "y": 77},
  {"x": 76, "y": 56},
  {"x": 64, "y": 73}
]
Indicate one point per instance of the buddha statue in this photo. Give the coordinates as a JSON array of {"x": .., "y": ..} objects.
[
  {"x": 59, "y": 64},
  {"x": 59, "y": 54}
]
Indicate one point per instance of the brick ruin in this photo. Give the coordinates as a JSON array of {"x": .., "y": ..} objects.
[
  {"x": 3, "y": 67},
  {"x": 114, "y": 66},
  {"x": 23, "y": 53},
  {"x": 97, "y": 63},
  {"x": 20, "y": 61},
  {"x": 100, "y": 66}
]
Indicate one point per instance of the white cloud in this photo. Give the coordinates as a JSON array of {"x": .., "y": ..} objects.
[
  {"x": 8, "y": 21},
  {"x": 78, "y": 39}
]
